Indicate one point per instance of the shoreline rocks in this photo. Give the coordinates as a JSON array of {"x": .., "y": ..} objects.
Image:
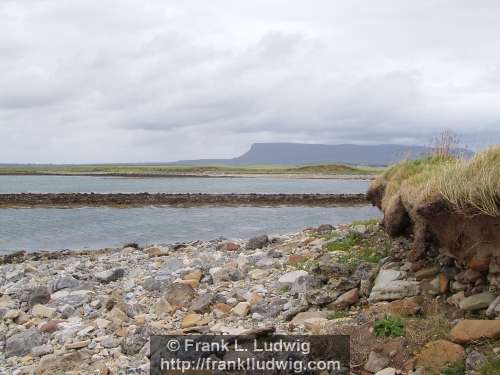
[{"x": 94, "y": 311}]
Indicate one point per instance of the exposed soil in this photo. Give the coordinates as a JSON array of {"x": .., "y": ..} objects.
[{"x": 469, "y": 238}]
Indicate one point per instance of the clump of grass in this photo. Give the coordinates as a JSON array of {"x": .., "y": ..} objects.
[
  {"x": 492, "y": 367},
  {"x": 346, "y": 243},
  {"x": 467, "y": 185},
  {"x": 456, "y": 368},
  {"x": 390, "y": 325}
]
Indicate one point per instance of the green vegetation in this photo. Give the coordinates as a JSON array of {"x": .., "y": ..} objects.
[
  {"x": 457, "y": 368},
  {"x": 284, "y": 289},
  {"x": 345, "y": 244},
  {"x": 491, "y": 368},
  {"x": 359, "y": 248},
  {"x": 327, "y": 169},
  {"x": 389, "y": 326},
  {"x": 466, "y": 184}
]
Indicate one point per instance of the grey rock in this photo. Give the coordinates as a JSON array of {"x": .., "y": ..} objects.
[
  {"x": 63, "y": 282},
  {"x": 110, "y": 342},
  {"x": 273, "y": 253},
  {"x": 135, "y": 309},
  {"x": 202, "y": 303},
  {"x": 389, "y": 286},
  {"x": 290, "y": 278},
  {"x": 21, "y": 344},
  {"x": 475, "y": 360},
  {"x": 305, "y": 284},
  {"x": 494, "y": 308},
  {"x": 396, "y": 290},
  {"x": 257, "y": 242},
  {"x": 108, "y": 276},
  {"x": 74, "y": 299},
  {"x": 39, "y": 295},
  {"x": 376, "y": 362},
  {"x": 477, "y": 301},
  {"x": 325, "y": 229},
  {"x": 330, "y": 267},
  {"x": 67, "y": 311},
  {"x": 221, "y": 274},
  {"x": 41, "y": 350},
  {"x": 133, "y": 344},
  {"x": 265, "y": 263},
  {"x": 172, "y": 265},
  {"x": 152, "y": 284},
  {"x": 269, "y": 310}
]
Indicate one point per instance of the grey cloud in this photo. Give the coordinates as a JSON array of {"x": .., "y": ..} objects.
[{"x": 163, "y": 80}]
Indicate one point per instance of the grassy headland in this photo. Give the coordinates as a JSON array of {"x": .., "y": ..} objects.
[
  {"x": 466, "y": 185},
  {"x": 171, "y": 170}
]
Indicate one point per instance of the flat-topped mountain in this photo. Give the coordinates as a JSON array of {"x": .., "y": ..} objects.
[{"x": 302, "y": 153}]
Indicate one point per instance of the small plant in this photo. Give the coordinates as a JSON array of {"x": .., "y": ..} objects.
[
  {"x": 492, "y": 367},
  {"x": 390, "y": 326},
  {"x": 307, "y": 265},
  {"x": 345, "y": 244},
  {"x": 338, "y": 315},
  {"x": 456, "y": 368},
  {"x": 284, "y": 289}
]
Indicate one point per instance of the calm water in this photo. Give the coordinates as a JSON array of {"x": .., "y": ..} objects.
[
  {"x": 87, "y": 184},
  {"x": 41, "y": 228}
]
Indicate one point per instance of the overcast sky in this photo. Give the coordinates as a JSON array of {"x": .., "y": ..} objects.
[{"x": 157, "y": 80}]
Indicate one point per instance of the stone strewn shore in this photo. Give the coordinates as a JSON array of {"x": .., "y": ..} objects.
[
  {"x": 184, "y": 199},
  {"x": 93, "y": 312}
]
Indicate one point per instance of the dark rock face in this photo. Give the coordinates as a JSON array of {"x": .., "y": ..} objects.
[{"x": 257, "y": 242}]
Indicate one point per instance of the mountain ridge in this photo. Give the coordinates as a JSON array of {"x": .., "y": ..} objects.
[{"x": 282, "y": 153}]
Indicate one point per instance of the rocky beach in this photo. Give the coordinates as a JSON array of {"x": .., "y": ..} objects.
[{"x": 93, "y": 312}]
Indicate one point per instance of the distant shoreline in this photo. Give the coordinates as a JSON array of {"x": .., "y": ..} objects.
[{"x": 203, "y": 175}]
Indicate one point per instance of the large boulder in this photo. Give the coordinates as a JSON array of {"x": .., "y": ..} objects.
[
  {"x": 21, "y": 344},
  {"x": 437, "y": 354},
  {"x": 477, "y": 301},
  {"x": 471, "y": 330},
  {"x": 389, "y": 286}
]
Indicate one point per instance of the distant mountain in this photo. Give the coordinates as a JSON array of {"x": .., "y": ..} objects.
[{"x": 302, "y": 153}]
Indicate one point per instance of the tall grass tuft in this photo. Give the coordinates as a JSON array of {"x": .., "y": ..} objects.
[{"x": 467, "y": 185}]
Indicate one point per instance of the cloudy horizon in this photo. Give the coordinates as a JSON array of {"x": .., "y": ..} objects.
[{"x": 133, "y": 81}]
